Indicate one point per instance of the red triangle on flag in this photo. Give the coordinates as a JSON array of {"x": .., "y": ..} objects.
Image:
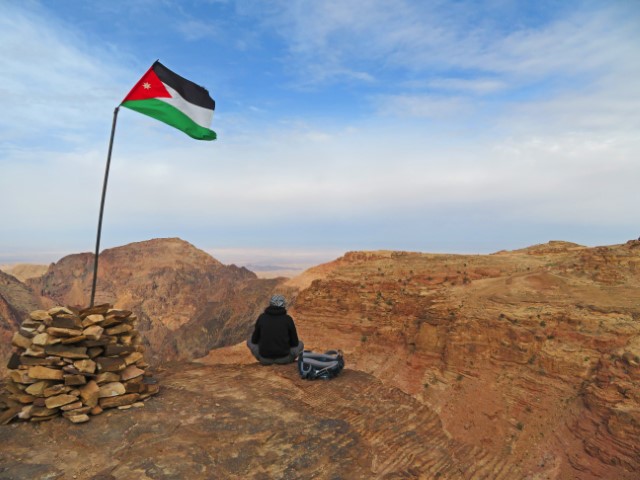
[{"x": 149, "y": 86}]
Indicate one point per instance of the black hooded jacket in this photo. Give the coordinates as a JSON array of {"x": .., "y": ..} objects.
[{"x": 275, "y": 333}]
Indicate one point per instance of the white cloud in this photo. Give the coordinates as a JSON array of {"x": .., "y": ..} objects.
[
  {"x": 380, "y": 172},
  {"x": 53, "y": 82},
  {"x": 478, "y": 86},
  {"x": 429, "y": 106},
  {"x": 559, "y": 144},
  {"x": 610, "y": 105},
  {"x": 586, "y": 42},
  {"x": 329, "y": 39},
  {"x": 193, "y": 29}
]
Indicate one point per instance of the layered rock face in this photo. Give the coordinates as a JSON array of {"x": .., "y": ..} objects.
[
  {"x": 24, "y": 271},
  {"x": 255, "y": 422},
  {"x": 16, "y": 301},
  {"x": 186, "y": 301},
  {"x": 531, "y": 354}
]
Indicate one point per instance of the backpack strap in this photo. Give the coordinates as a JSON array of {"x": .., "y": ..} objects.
[
  {"x": 321, "y": 364},
  {"x": 330, "y": 356},
  {"x": 305, "y": 369},
  {"x": 312, "y": 365}
]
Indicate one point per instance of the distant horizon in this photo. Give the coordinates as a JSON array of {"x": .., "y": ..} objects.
[{"x": 265, "y": 259}]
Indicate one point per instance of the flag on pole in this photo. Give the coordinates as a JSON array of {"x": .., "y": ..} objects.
[{"x": 174, "y": 100}]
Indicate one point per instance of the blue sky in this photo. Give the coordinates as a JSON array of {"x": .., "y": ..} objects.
[{"x": 445, "y": 126}]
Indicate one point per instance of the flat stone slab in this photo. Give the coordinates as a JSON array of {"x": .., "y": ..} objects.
[
  {"x": 22, "y": 376},
  {"x": 118, "y": 350},
  {"x": 114, "y": 312},
  {"x": 40, "y": 315},
  {"x": 82, "y": 418},
  {"x": 67, "y": 322},
  {"x": 111, "y": 390},
  {"x": 85, "y": 365},
  {"x": 96, "y": 309},
  {"x": 131, "y": 372},
  {"x": 72, "y": 340},
  {"x": 255, "y": 423},
  {"x": 64, "y": 332},
  {"x": 37, "y": 389},
  {"x": 74, "y": 379},
  {"x": 122, "y": 328},
  {"x": 119, "y": 401},
  {"x": 111, "y": 364},
  {"x": 60, "y": 400},
  {"x": 42, "y": 339},
  {"x": 133, "y": 358},
  {"x": 60, "y": 310},
  {"x": 67, "y": 351},
  {"x": 92, "y": 320},
  {"x": 56, "y": 390},
  {"x": 45, "y": 373},
  {"x": 21, "y": 341},
  {"x": 107, "y": 377},
  {"x": 90, "y": 393},
  {"x": 93, "y": 332},
  {"x": 31, "y": 361}
]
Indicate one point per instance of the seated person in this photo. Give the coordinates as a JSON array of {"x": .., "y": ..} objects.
[{"x": 274, "y": 338}]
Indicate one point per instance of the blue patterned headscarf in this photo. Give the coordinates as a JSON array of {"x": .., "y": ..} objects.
[{"x": 278, "y": 301}]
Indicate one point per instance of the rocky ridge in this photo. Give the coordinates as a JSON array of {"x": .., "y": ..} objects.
[
  {"x": 16, "y": 301},
  {"x": 531, "y": 354},
  {"x": 256, "y": 423},
  {"x": 186, "y": 301},
  {"x": 25, "y": 271}
]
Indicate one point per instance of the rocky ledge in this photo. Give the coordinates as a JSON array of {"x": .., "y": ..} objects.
[{"x": 252, "y": 422}]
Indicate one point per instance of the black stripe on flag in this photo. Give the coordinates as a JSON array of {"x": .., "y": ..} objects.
[{"x": 191, "y": 92}]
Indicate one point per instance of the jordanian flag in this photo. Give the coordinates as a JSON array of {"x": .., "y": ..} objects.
[{"x": 176, "y": 101}]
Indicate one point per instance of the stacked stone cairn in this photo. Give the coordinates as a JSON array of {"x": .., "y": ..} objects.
[{"x": 75, "y": 363}]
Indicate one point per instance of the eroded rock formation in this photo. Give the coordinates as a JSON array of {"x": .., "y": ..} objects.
[
  {"x": 16, "y": 301},
  {"x": 255, "y": 422},
  {"x": 25, "y": 271},
  {"x": 186, "y": 301},
  {"x": 531, "y": 354}
]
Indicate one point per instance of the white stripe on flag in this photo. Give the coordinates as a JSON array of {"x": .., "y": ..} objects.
[{"x": 202, "y": 116}]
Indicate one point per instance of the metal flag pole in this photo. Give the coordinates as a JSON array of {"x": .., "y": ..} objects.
[{"x": 104, "y": 193}]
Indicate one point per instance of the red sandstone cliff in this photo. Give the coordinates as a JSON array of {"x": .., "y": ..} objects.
[
  {"x": 532, "y": 354},
  {"x": 186, "y": 301},
  {"x": 16, "y": 301}
]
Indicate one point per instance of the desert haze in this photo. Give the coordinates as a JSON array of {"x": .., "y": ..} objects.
[{"x": 522, "y": 364}]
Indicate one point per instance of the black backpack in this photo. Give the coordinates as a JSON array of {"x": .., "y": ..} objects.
[{"x": 312, "y": 365}]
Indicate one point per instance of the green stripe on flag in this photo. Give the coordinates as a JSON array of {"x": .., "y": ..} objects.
[{"x": 171, "y": 116}]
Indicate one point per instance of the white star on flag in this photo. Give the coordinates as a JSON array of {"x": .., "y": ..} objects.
[{"x": 146, "y": 85}]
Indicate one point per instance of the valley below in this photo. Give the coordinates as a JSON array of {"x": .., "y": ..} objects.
[{"x": 522, "y": 364}]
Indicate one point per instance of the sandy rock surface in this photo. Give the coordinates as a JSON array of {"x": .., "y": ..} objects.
[{"x": 251, "y": 422}]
